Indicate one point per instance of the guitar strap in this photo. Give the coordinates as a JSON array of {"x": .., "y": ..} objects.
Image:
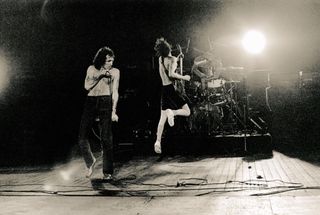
[
  {"x": 165, "y": 69},
  {"x": 94, "y": 85},
  {"x": 183, "y": 95}
]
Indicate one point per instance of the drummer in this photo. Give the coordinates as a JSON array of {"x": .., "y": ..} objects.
[{"x": 205, "y": 69}]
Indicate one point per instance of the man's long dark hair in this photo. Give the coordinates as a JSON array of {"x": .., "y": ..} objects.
[
  {"x": 100, "y": 57},
  {"x": 162, "y": 47}
]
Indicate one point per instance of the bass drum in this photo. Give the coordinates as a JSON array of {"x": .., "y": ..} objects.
[{"x": 205, "y": 119}]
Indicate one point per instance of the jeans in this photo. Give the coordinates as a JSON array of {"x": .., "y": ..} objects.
[{"x": 97, "y": 107}]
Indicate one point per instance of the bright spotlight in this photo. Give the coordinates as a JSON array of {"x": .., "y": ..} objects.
[{"x": 254, "y": 42}]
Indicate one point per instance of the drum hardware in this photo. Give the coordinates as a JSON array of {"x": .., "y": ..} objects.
[
  {"x": 220, "y": 103},
  {"x": 269, "y": 87},
  {"x": 207, "y": 113},
  {"x": 220, "y": 111},
  {"x": 256, "y": 124},
  {"x": 249, "y": 115}
]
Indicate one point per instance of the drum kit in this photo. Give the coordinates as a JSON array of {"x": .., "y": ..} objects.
[
  {"x": 215, "y": 104},
  {"x": 218, "y": 98}
]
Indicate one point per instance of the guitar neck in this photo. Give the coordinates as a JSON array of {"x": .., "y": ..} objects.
[
  {"x": 181, "y": 59},
  {"x": 181, "y": 66}
]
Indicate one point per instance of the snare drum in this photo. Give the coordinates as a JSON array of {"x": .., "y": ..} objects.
[
  {"x": 216, "y": 89},
  {"x": 216, "y": 83}
]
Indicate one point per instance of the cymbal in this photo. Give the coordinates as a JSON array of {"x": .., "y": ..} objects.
[
  {"x": 230, "y": 68},
  {"x": 232, "y": 82},
  {"x": 207, "y": 62},
  {"x": 209, "y": 78},
  {"x": 201, "y": 61},
  {"x": 203, "y": 52}
]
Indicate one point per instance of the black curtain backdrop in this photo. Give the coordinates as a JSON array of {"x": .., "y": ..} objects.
[{"x": 48, "y": 46}]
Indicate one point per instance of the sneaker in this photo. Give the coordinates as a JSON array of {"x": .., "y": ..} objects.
[
  {"x": 91, "y": 168},
  {"x": 157, "y": 147},
  {"x": 107, "y": 177},
  {"x": 170, "y": 117}
]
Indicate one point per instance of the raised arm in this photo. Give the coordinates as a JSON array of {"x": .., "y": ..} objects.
[{"x": 92, "y": 78}]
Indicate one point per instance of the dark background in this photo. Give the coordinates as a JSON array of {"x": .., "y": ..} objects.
[{"x": 46, "y": 47}]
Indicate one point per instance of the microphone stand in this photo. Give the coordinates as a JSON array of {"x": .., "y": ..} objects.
[{"x": 245, "y": 110}]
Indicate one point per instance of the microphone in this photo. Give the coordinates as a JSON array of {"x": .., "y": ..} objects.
[
  {"x": 107, "y": 74},
  {"x": 188, "y": 44}
]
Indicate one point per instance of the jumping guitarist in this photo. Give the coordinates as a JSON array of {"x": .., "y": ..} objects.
[{"x": 172, "y": 103}]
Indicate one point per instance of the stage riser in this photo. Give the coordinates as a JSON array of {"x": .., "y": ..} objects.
[
  {"x": 181, "y": 145},
  {"x": 218, "y": 145}
]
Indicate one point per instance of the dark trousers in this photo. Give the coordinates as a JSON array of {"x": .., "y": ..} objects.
[{"x": 97, "y": 107}]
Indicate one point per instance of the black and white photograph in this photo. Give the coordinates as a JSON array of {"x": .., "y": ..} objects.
[{"x": 149, "y": 107}]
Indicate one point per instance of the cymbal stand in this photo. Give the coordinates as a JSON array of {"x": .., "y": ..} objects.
[
  {"x": 267, "y": 92},
  {"x": 245, "y": 110},
  {"x": 246, "y": 113},
  {"x": 235, "y": 113}
]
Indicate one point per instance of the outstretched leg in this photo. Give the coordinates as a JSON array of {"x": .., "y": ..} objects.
[{"x": 162, "y": 121}]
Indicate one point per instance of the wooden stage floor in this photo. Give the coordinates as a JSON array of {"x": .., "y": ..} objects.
[{"x": 192, "y": 177}]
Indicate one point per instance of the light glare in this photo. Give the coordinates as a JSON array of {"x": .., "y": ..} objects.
[
  {"x": 4, "y": 79},
  {"x": 254, "y": 42}
]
